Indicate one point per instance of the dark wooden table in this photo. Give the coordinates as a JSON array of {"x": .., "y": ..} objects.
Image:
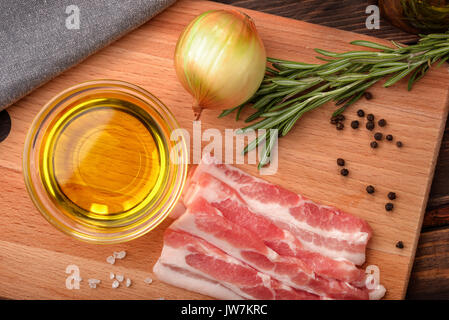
[{"x": 430, "y": 277}]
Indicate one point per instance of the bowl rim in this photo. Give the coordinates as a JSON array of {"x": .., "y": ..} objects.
[{"x": 51, "y": 109}]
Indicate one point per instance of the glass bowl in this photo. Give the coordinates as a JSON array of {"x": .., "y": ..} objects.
[{"x": 100, "y": 163}]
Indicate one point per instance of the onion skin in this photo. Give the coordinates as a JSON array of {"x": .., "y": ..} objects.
[{"x": 220, "y": 59}]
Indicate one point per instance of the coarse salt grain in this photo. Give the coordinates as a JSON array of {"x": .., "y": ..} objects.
[
  {"x": 115, "y": 284},
  {"x": 93, "y": 283},
  {"x": 96, "y": 281},
  {"x": 119, "y": 277},
  {"x": 111, "y": 275},
  {"x": 148, "y": 280},
  {"x": 110, "y": 259},
  {"x": 120, "y": 254},
  {"x": 128, "y": 282}
]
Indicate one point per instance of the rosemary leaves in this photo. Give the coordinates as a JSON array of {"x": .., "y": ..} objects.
[{"x": 290, "y": 89}]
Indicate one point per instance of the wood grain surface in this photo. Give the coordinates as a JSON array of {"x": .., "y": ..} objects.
[
  {"x": 350, "y": 15},
  {"x": 431, "y": 269},
  {"x": 34, "y": 255},
  {"x": 347, "y": 15}
]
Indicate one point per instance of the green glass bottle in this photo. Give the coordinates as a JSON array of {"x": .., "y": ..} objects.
[{"x": 417, "y": 16}]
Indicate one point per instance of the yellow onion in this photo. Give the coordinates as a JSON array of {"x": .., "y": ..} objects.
[{"x": 220, "y": 59}]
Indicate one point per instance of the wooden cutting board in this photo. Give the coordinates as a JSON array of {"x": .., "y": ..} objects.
[{"x": 34, "y": 255}]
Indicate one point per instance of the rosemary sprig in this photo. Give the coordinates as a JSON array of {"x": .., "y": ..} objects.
[{"x": 290, "y": 89}]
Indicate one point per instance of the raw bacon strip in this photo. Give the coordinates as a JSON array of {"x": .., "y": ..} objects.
[
  {"x": 182, "y": 278},
  {"x": 206, "y": 222},
  {"x": 194, "y": 264},
  {"x": 225, "y": 199},
  {"x": 320, "y": 228}
]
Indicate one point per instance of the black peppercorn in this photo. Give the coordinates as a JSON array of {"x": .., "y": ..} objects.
[
  {"x": 341, "y": 117},
  {"x": 354, "y": 124},
  {"x": 370, "y": 125},
  {"x": 382, "y": 122},
  {"x": 391, "y": 195},
  {"x": 370, "y": 189},
  {"x": 389, "y": 206},
  {"x": 373, "y": 144},
  {"x": 340, "y": 126},
  {"x": 378, "y": 136},
  {"x": 368, "y": 95},
  {"x": 341, "y": 162},
  {"x": 361, "y": 113},
  {"x": 344, "y": 172},
  {"x": 399, "y": 144},
  {"x": 370, "y": 117},
  {"x": 389, "y": 137},
  {"x": 334, "y": 120},
  {"x": 400, "y": 245}
]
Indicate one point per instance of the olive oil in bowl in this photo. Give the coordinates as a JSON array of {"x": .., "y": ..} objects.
[
  {"x": 103, "y": 164},
  {"x": 104, "y": 160}
]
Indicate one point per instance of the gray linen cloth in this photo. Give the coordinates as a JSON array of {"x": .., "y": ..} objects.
[{"x": 41, "y": 38}]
